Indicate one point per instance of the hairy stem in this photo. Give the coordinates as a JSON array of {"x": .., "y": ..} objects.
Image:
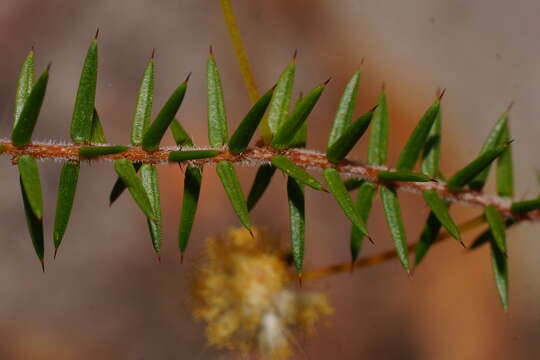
[{"x": 257, "y": 156}]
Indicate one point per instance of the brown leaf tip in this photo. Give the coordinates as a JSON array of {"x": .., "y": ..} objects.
[
  {"x": 153, "y": 55},
  {"x": 211, "y": 50},
  {"x": 441, "y": 93},
  {"x": 295, "y": 54},
  {"x": 327, "y": 81},
  {"x": 187, "y": 77},
  {"x": 97, "y": 34}
]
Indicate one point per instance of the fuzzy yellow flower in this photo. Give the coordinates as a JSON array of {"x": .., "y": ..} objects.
[{"x": 244, "y": 294}]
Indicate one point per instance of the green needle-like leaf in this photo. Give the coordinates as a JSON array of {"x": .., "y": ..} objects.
[
  {"x": 95, "y": 151},
  {"x": 217, "y": 117},
  {"x": 243, "y": 134},
  {"x": 492, "y": 142},
  {"x": 525, "y": 206},
  {"x": 230, "y": 182},
  {"x": 152, "y": 137},
  {"x": 440, "y": 208},
  {"x": 364, "y": 200},
  {"x": 291, "y": 169},
  {"x": 119, "y": 186},
  {"x": 24, "y": 127},
  {"x": 260, "y": 183},
  {"x": 390, "y": 176},
  {"x": 392, "y": 212},
  {"x": 487, "y": 236},
  {"x": 24, "y": 85},
  {"x": 29, "y": 171},
  {"x": 35, "y": 226},
  {"x": 124, "y": 168},
  {"x": 340, "y": 193},
  {"x": 180, "y": 135},
  {"x": 64, "y": 203},
  {"x": 505, "y": 168},
  {"x": 81, "y": 122},
  {"x": 432, "y": 149},
  {"x": 185, "y": 155},
  {"x": 427, "y": 238},
  {"x": 143, "y": 107},
  {"x": 344, "y": 143},
  {"x": 499, "y": 264},
  {"x": 353, "y": 183},
  {"x": 345, "y": 110},
  {"x": 475, "y": 167},
  {"x": 279, "y": 105},
  {"x": 192, "y": 190},
  {"x": 297, "y": 219},
  {"x": 497, "y": 227},
  {"x": 378, "y": 137},
  {"x": 415, "y": 144},
  {"x": 288, "y": 129},
  {"x": 97, "y": 134},
  {"x": 149, "y": 178}
]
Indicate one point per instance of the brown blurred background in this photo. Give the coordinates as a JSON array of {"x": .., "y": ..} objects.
[{"x": 105, "y": 297}]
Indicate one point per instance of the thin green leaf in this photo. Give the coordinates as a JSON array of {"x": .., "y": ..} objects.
[
  {"x": 29, "y": 171},
  {"x": 378, "y": 137},
  {"x": 119, "y": 186},
  {"x": 288, "y": 129},
  {"x": 95, "y": 151},
  {"x": 230, "y": 182},
  {"x": 152, "y": 137},
  {"x": 300, "y": 138},
  {"x": 364, "y": 200},
  {"x": 35, "y": 226},
  {"x": 392, "y": 212},
  {"x": 243, "y": 134},
  {"x": 497, "y": 227},
  {"x": 344, "y": 144},
  {"x": 24, "y": 85},
  {"x": 415, "y": 144},
  {"x": 185, "y": 155},
  {"x": 81, "y": 122},
  {"x": 499, "y": 264},
  {"x": 440, "y": 208},
  {"x": 487, "y": 236},
  {"x": 296, "y": 172},
  {"x": 475, "y": 167},
  {"x": 390, "y": 176},
  {"x": 217, "y": 117},
  {"x": 525, "y": 205},
  {"x": 340, "y": 193},
  {"x": 431, "y": 154},
  {"x": 24, "y": 127},
  {"x": 124, "y": 168},
  {"x": 192, "y": 190},
  {"x": 260, "y": 184},
  {"x": 492, "y": 142},
  {"x": 427, "y": 238},
  {"x": 297, "y": 219},
  {"x": 149, "y": 178},
  {"x": 180, "y": 135},
  {"x": 279, "y": 105},
  {"x": 143, "y": 106},
  {"x": 97, "y": 134},
  {"x": 505, "y": 168},
  {"x": 345, "y": 110},
  {"x": 64, "y": 203},
  {"x": 353, "y": 183}
]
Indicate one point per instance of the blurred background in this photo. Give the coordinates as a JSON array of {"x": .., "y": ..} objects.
[{"x": 106, "y": 297}]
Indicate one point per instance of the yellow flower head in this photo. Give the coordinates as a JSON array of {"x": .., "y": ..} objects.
[{"x": 242, "y": 292}]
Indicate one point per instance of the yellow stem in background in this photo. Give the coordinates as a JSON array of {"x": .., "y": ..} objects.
[
  {"x": 385, "y": 256},
  {"x": 243, "y": 62}
]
